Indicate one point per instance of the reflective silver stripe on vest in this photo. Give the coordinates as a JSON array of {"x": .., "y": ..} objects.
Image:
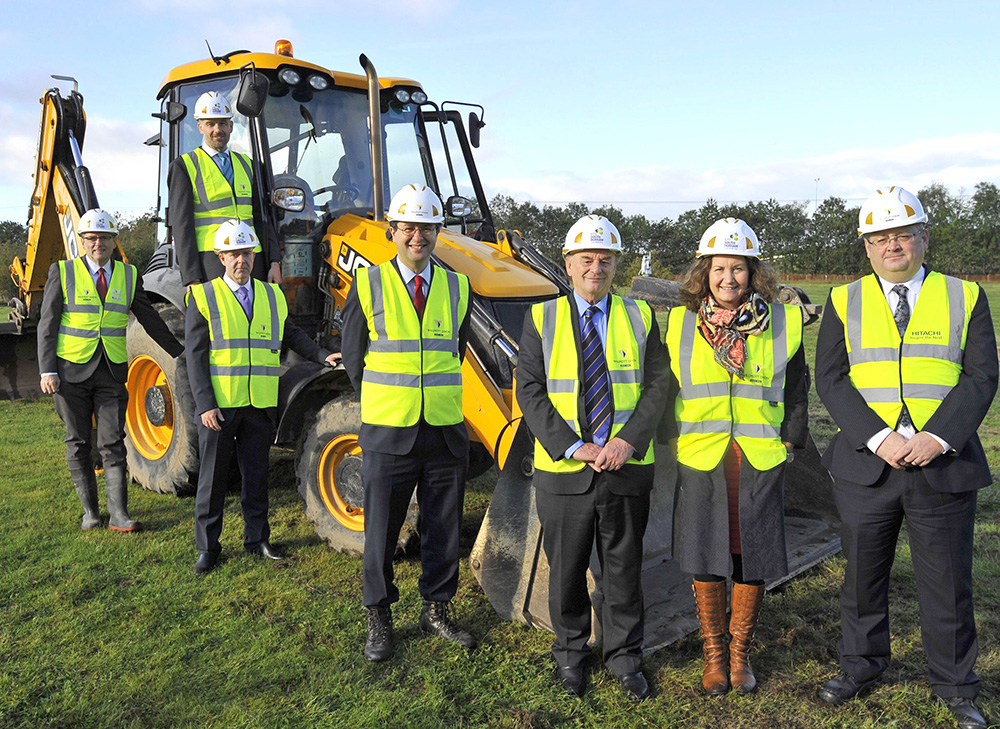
[
  {"x": 394, "y": 346},
  {"x": 926, "y": 391},
  {"x": 272, "y": 301},
  {"x": 879, "y": 394},
  {"x": 549, "y": 309},
  {"x": 704, "y": 426},
  {"x": 622, "y": 416},
  {"x": 378, "y": 302},
  {"x": 394, "y": 379},
  {"x": 639, "y": 330},
  {"x": 779, "y": 340},
  {"x": 214, "y": 220},
  {"x": 71, "y": 307},
  {"x": 757, "y": 392},
  {"x": 443, "y": 379},
  {"x": 554, "y": 385},
  {"x": 82, "y": 333},
  {"x": 756, "y": 430},
  {"x": 858, "y": 354},
  {"x": 455, "y": 295},
  {"x": 624, "y": 377},
  {"x": 440, "y": 345},
  {"x": 112, "y": 331},
  {"x": 129, "y": 291},
  {"x": 214, "y": 314}
]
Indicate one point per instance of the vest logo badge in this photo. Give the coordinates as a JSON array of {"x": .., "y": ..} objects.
[
  {"x": 757, "y": 368},
  {"x": 624, "y": 359},
  {"x": 924, "y": 334}
]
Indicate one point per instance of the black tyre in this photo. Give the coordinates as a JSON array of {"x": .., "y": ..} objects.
[
  {"x": 161, "y": 437},
  {"x": 328, "y": 467}
]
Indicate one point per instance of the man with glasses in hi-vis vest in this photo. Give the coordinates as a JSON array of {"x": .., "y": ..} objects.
[
  {"x": 83, "y": 360},
  {"x": 234, "y": 332},
  {"x": 906, "y": 363},
  {"x": 592, "y": 383},
  {"x": 208, "y": 186},
  {"x": 406, "y": 324}
]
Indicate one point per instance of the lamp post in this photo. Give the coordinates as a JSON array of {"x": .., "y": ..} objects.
[{"x": 816, "y": 200}]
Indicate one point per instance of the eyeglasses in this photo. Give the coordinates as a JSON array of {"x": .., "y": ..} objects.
[
  {"x": 883, "y": 240},
  {"x": 425, "y": 231},
  {"x": 92, "y": 238}
]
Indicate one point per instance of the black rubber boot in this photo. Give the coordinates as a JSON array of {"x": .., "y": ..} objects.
[
  {"x": 85, "y": 483},
  {"x": 116, "y": 483}
]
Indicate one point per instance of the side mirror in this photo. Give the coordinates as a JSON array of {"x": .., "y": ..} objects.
[
  {"x": 252, "y": 92},
  {"x": 458, "y": 207},
  {"x": 474, "y": 126},
  {"x": 173, "y": 111},
  {"x": 292, "y": 199}
]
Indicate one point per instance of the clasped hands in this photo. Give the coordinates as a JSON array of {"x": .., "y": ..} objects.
[
  {"x": 899, "y": 452},
  {"x": 609, "y": 457}
]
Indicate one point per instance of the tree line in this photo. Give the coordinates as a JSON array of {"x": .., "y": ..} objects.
[{"x": 965, "y": 234}]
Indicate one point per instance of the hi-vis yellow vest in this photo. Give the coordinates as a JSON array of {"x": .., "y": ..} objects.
[
  {"x": 921, "y": 367},
  {"x": 215, "y": 200},
  {"x": 413, "y": 366},
  {"x": 712, "y": 407},
  {"x": 629, "y": 324},
  {"x": 244, "y": 355},
  {"x": 85, "y": 320}
]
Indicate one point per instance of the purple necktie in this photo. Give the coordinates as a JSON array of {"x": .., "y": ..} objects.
[{"x": 244, "y": 297}]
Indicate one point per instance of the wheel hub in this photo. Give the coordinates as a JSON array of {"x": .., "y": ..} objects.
[
  {"x": 349, "y": 482},
  {"x": 159, "y": 409}
]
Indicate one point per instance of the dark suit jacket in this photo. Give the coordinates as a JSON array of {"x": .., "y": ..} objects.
[
  {"x": 48, "y": 333},
  {"x": 556, "y": 436},
  {"x": 354, "y": 346},
  {"x": 956, "y": 419},
  {"x": 198, "y": 342},
  {"x": 180, "y": 219}
]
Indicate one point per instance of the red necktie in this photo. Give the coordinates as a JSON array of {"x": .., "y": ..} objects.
[
  {"x": 418, "y": 294},
  {"x": 102, "y": 284}
]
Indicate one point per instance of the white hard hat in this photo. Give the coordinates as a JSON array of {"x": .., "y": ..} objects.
[
  {"x": 416, "y": 204},
  {"x": 592, "y": 232},
  {"x": 730, "y": 237},
  {"x": 892, "y": 208},
  {"x": 234, "y": 235},
  {"x": 212, "y": 105},
  {"x": 97, "y": 221}
]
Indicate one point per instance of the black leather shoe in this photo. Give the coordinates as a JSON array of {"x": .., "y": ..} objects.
[
  {"x": 634, "y": 686},
  {"x": 965, "y": 711},
  {"x": 206, "y": 562},
  {"x": 571, "y": 678},
  {"x": 378, "y": 646},
  {"x": 843, "y": 687},
  {"x": 435, "y": 619},
  {"x": 264, "y": 549}
]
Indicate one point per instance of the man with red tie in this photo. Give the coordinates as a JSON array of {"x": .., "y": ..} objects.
[
  {"x": 404, "y": 336},
  {"x": 82, "y": 358}
]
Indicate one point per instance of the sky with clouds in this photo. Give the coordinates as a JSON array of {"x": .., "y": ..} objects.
[{"x": 651, "y": 106}]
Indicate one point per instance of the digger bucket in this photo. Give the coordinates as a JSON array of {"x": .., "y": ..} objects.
[{"x": 510, "y": 564}]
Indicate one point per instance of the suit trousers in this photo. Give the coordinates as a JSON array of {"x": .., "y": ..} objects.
[
  {"x": 100, "y": 396},
  {"x": 247, "y": 432},
  {"x": 570, "y": 525},
  {"x": 389, "y": 480},
  {"x": 940, "y": 528}
]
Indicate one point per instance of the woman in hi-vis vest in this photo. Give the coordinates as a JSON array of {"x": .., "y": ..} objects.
[{"x": 737, "y": 405}]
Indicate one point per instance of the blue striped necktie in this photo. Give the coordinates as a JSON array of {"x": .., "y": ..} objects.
[
  {"x": 902, "y": 317},
  {"x": 596, "y": 393}
]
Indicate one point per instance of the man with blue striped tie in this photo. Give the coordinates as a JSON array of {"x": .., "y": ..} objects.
[{"x": 591, "y": 383}]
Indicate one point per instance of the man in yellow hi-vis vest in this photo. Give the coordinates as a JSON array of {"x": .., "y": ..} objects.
[
  {"x": 406, "y": 324},
  {"x": 208, "y": 186},
  {"x": 234, "y": 330},
  {"x": 592, "y": 382},
  {"x": 82, "y": 358},
  {"x": 906, "y": 363}
]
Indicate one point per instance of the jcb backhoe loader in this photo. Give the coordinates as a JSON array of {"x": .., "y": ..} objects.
[{"x": 327, "y": 148}]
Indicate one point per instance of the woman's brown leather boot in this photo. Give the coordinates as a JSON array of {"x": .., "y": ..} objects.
[
  {"x": 746, "y": 608},
  {"x": 710, "y": 599}
]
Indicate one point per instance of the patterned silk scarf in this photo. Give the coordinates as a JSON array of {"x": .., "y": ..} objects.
[{"x": 727, "y": 329}]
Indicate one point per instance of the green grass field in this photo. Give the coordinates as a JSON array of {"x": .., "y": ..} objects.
[{"x": 100, "y": 629}]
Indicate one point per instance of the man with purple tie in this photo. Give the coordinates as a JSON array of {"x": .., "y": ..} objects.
[{"x": 591, "y": 383}]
